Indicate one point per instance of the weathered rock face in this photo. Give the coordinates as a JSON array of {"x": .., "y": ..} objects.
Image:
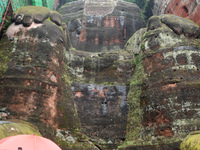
[
  {"x": 184, "y": 8},
  {"x": 100, "y": 86},
  {"x": 163, "y": 97},
  {"x": 34, "y": 85},
  {"x": 32, "y": 82},
  {"x": 15, "y": 127},
  {"x": 160, "y": 6},
  {"x": 97, "y": 26},
  {"x": 103, "y": 112},
  {"x": 100, "y": 69},
  {"x": 36, "y": 64}
]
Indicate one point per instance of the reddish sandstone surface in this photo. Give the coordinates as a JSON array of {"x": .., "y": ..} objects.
[
  {"x": 99, "y": 67},
  {"x": 34, "y": 81},
  {"x": 33, "y": 77},
  {"x": 183, "y": 8},
  {"x": 165, "y": 83},
  {"x": 97, "y": 26},
  {"x": 102, "y": 110},
  {"x": 100, "y": 86}
]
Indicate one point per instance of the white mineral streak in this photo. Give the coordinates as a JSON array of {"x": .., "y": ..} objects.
[
  {"x": 160, "y": 6},
  {"x": 187, "y": 53},
  {"x": 164, "y": 40},
  {"x": 121, "y": 18}
]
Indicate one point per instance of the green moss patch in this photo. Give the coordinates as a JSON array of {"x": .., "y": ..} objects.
[
  {"x": 134, "y": 117},
  {"x": 191, "y": 142},
  {"x": 16, "y": 128},
  {"x": 5, "y": 55}
]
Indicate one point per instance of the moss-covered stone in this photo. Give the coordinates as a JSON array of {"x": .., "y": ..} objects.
[
  {"x": 181, "y": 25},
  {"x": 56, "y": 18},
  {"x": 169, "y": 62},
  {"x": 134, "y": 116},
  {"x": 37, "y": 79},
  {"x": 42, "y": 14},
  {"x": 191, "y": 142},
  {"x": 42, "y": 24},
  {"x": 154, "y": 23},
  {"x": 133, "y": 45},
  {"x": 5, "y": 55},
  {"x": 31, "y": 13},
  {"x": 16, "y": 127}
]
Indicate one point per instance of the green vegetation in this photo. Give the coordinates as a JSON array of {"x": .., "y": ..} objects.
[
  {"x": 146, "y": 6},
  {"x": 6, "y": 24},
  {"x": 191, "y": 141},
  {"x": 5, "y": 55},
  {"x": 17, "y": 127},
  {"x": 3, "y": 61},
  {"x": 147, "y": 10},
  {"x": 134, "y": 117},
  {"x": 140, "y": 3}
]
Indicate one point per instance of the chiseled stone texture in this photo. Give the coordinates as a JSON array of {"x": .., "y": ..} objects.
[
  {"x": 97, "y": 26},
  {"x": 165, "y": 105}
]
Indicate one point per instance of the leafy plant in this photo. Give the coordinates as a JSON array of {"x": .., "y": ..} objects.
[{"x": 6, "y": 24}]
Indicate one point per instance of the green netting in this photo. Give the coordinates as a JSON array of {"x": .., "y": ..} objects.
[
  {"x": 19, "y": 3},
  {"x": 3, "y": 5},
  {"x": 48, "y": 3},
  {"x": 37, "y": 3}
]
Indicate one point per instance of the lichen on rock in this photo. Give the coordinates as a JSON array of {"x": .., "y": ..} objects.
[
  {"x": 16, "y": 127},
  {"x": 169, "y": 50},
  {"x": 191, "y": 142},
  {"x": 32, "y": 83},
  {"x": 133, "y": 45},
  {"x": 5, "y": 55}
]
